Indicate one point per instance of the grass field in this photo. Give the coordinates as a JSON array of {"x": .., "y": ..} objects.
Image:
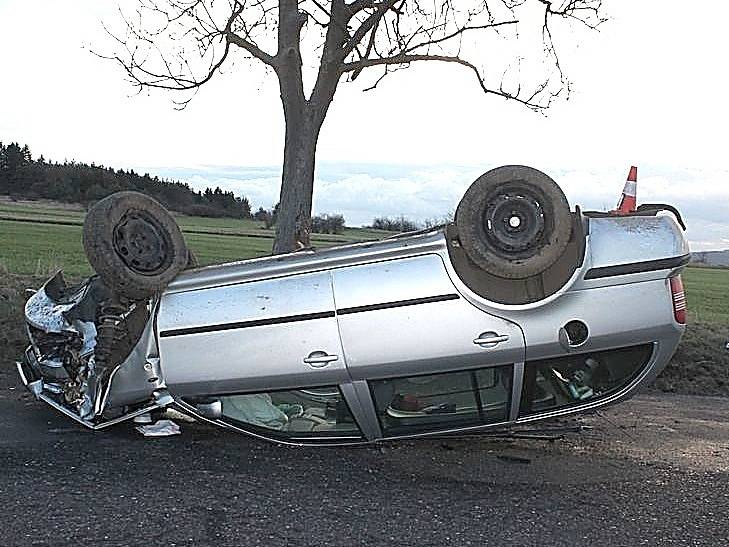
[
  {"x": 707, "y": 293},
  {"x": 39, "y": 249},
  {"x": 61, "y": 213},
  {"x": 38, "y": 238}
]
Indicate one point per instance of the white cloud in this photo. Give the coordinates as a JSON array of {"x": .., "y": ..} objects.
[{"x": 362, "y": 192}]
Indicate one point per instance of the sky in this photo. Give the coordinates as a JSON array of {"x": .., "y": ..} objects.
[{"x": 646, "y": 90}]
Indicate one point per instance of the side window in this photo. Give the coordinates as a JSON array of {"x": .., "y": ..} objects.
[
  {"x": 315, "y": 412},
  {"x": 576, "y": 379},
  {"x": 443, "y": 401}
]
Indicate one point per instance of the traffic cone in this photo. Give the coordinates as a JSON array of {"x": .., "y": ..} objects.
[{"x": 627, "y": 203}]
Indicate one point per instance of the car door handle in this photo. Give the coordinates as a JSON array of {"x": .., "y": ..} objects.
[
  {"x": 319, "y": 359},
  {"x": 490, "y": 339}
]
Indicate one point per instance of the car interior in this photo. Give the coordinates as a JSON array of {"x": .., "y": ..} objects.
[{"x": 578, "y": 378}]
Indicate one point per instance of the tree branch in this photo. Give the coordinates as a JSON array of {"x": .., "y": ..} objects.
[
  {"x": 406, "y": 59},
  {"x": 457, "y": 33},
  {"x": 251, "y": 48},
  {"x": 367, "y": 25}
]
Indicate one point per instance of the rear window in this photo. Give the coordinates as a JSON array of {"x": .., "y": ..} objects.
[{"x": 579, "y": 378}]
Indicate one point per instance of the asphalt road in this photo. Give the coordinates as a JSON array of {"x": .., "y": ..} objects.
[{"x": 652, "y": 471}]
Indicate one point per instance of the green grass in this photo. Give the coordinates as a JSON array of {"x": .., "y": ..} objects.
[
  {"x": 49, "y": 211},
  {"x": 40, "y": 248},
  {"x": 212, "y": 249},
  {"x": 32, "y": 209},
  {"x": 707, "y": 294},
  {"x": 256, "y": 228}
]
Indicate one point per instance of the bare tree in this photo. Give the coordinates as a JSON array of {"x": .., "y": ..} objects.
[{"x": 182, "y": 44}]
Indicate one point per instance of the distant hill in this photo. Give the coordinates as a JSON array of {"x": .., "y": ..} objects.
[
  {"x": 22, "y": 176},
  {"x": 711, "y": 258}
]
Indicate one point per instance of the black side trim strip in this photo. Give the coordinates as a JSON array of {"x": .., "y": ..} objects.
[
  {"x": 637, "y": 267},
  {"x": 398, "y": 304},
  {"x": 246, "y": 324},
  {"x": 306, "y": 316}
]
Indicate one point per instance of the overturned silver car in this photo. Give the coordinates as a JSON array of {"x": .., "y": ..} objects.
[{"x": 519, "y": 310}]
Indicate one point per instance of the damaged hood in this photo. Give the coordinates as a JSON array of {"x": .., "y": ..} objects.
[
  {"x": 48, "y": 308},
  {"x": 57, "y": 308}
]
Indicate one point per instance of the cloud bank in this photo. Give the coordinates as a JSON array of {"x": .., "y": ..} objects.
[{"x": 362, "y": 192}]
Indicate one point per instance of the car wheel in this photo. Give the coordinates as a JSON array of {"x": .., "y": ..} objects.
[
  {"x": 134, "y": 244},
  {"x": 514, "y": 222}
]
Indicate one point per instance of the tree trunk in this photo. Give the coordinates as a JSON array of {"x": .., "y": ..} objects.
[
  {"x": 293, "y": 223},
  {"x": 303, "y": 119}
]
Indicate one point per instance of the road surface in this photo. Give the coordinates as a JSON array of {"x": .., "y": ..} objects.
[{"x": 651, "y": 471}]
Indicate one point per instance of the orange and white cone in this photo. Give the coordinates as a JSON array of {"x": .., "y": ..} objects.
[{"x": 628, "y": 203}]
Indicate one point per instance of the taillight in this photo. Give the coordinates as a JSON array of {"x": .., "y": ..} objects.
[{"x": 679, "y": 299}]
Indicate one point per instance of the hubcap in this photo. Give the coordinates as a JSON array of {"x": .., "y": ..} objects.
[{"x": 140, "y": 242}]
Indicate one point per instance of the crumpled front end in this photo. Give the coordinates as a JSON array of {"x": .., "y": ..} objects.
[{"x": 81, "y": 337}]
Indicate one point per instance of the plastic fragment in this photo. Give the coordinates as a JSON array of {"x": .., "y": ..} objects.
[{"x": 160, "y": 428}]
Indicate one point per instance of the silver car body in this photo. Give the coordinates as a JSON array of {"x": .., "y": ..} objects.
[{"x": 351, "y": 318}]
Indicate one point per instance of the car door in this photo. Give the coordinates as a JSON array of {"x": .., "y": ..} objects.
[
  {"x": 262, "y": 357},
  {"x": 264, "y": 335},
  {"x": 422, "y": 348}
]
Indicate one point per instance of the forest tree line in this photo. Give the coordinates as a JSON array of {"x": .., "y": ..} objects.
[{"x": 25, "y": 177}]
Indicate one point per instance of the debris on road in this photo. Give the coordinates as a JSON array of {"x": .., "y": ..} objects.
[{"x": 160, "y": 428}]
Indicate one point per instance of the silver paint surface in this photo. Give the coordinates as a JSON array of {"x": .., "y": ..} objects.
[
  {"x": 415, "y": 339},
  {"x": 624, "y": 240},
  {"x": 306, "y": 261},
  {"x": 246, "y": 301},
  {"x": 391, "y": 281},
  {"x": 253, "y": 358}
]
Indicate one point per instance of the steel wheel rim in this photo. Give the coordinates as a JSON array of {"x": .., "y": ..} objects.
[{"x": 141, "y": 242}]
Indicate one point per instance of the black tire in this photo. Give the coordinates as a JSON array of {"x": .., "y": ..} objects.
[
  {"x": 514, "y": 222},
  {"x": 134, "y": 244}
]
